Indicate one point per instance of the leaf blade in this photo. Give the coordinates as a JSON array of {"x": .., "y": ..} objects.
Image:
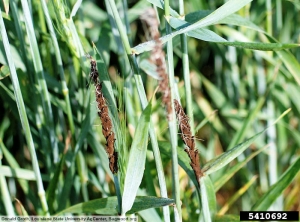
[
  {"x": 276, "y": 190},
  {"x": 136, "y": 161},
  {"x": 108, "y": 206}
]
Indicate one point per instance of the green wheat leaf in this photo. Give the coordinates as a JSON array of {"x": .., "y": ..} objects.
[
  {"x": 276, "y": 190},
  {"x": 108, "y": 206},
  {"x": 136, "y": 161}
]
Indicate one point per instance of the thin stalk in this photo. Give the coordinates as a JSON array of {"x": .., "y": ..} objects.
[
  {"x": 127, "y": 25},
  {"x": 45, "y": 98},
  {"x": 122, "y": 57},
  {"x": 39, "y": 115},
  {"x": 65, "y": 90},
  {"x": 5, "y": 192},
  {"x": 273, "y": 154},
  {"x": 271, "y": 132},
  {"x": 187, "y": 81},
  {"x": 6, "y": 197},
  {"x": 186, "y": 73},
  {"x": 23, "y": 116},
  {"x": 172, "y": 120},
  {"x": 154, "y": 143},
  {"x": 144, "y": 103},
  {"x": 79, "y": 52},
  {"x": 120, "y": 26},
  {"x": 118, "y": 192},
  {"x": 20, "y": 33},
  {"x": 269, "y": 17},
  {"x": 278, "y": 16}
]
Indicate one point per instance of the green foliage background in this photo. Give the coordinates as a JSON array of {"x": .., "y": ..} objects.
[{"x": 239, "y": 87}]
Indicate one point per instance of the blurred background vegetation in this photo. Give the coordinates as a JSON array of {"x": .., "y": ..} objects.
[{"x": 236, "y": 93}]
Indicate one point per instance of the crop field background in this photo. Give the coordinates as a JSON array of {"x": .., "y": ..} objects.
[{"x": 168, "y": 110}]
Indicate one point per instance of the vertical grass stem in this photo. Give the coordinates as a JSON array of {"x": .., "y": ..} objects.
[
  {"x": 45, "y": 98},
  {"x": 65, "y": 90},
  {"x": 172, "y": 120},
  {"x": 144, "y": 102},
  {"x": 23, "y": 116}
]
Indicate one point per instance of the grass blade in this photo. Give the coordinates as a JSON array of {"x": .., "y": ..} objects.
[
  {"x": 23, "y": 115},
  {"x": 210, "y": 194},
  {"x": 225, "y": 10},
  {"x": 183, "y": 159},
  {"x": 205, "y": 197},
  {"x": 291, "y": 63},
  {"x": 237, "y": 195},
  {"x": 136, "y": 162},
  {"x": 230, "y": 172},
  {"x": 225, "y": 158},
  {"x": 276, "y": 190},
  {"x": 21, "y": 173},
  {"x": 108, "y": 206},
  {"x": 210, "y": 36},
  {"x": 39, "y": 71}
]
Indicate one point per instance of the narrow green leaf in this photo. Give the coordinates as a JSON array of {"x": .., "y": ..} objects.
[
  {"x": 225, "y": 10},
  {"x": 20, "y": 173},
  {"x": 109, "y": 206},
  {"x": 260, "y": 45},
  {"x": 5, "y": 197},
  {"x": 177, "y": 217},
  {"x": 85, "y": 126},
  {"x": 296, "y": 3},
  {"x": 149, "y": 68},
  {"x": 54, "y": 182},
  {"x": 291, "y": 63},
  {"x": 92, "y": 11},
  {"x": 233, "y": 169},
  {"x": 292, "y": 91},
  {"x": 22, "y": 112},
  {"x": 136, "y": 161},
  {"x": 206, "y": 35},
  {"x": 150, "y": 215},
  {"x": 205, "y": 198},
  {"x": 233, "y": 19},
  {"x": 15, "y": 57},
  {"x": 211, "y": 195},
  {"x": 161, "y": 4},
  {"x": 201, "y": 33},
  {"x": 183, "y": 159},
  {"x": 276, "y": 190},
  {"x": 225, "y": 158},
  {"x": 237, "y": 195},
  {"x": 210, "y": 36},
  {"x": 75, "y": 8},
  {"x": 14, "y": 165}
]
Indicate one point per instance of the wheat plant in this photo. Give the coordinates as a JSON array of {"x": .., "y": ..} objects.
[{"x": 165, "y": 110}]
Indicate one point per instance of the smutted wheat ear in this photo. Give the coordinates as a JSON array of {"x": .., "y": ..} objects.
[
  {"x": 107, "y": 127},
  {"x": 188, "y": 139},
  {"x": 158, "y": 58}
]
